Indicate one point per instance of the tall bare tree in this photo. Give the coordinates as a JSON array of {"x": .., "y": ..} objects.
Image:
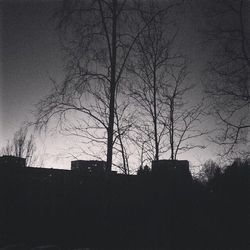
[
  {"x": 153, "y": 54},
  {"x": 229, "y": 73},
  {"x": 159, "y": 88},
  {"x": 98, "y": 38}
]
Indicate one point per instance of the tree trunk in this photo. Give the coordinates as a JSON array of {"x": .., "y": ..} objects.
[
  {"x": 155, "y": 119},
  {"x": 172, "y": 129},
  {"x": 123, "y": 152},
  {"x": 112, "y": 90}
]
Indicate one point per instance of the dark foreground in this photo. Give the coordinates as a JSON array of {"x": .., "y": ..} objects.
[{"x": 152, "y": 211}]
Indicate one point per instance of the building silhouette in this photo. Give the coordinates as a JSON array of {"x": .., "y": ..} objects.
[
  {"x": 12, "y": 161},
  {"x": 166, "y": 166},
  {"x": 78, "y": 206},
  {"x": 161, "y": 208},
  {"x": 89, "y": 167}
]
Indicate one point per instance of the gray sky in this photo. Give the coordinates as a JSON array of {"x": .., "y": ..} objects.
[{"x": 30, "y": 54}]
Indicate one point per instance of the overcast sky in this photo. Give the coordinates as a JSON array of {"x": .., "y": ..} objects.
[{"x": 30, "y": 54}]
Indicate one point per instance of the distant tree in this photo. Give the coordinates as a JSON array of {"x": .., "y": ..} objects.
[
  {"x": 143, "y": 170},
  {"x": 228, "y": 82},
  {"x": 23, "y": 146},
  {"x": 223, "y": 197},
  {"x": 210, "y": 170},
  {"x": 238, "y": 171}
]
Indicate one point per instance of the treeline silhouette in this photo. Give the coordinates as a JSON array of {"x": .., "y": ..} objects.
[{"x": 167, "y": 211}]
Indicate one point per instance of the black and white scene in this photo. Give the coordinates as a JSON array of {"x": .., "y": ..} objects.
[{"x": 124, "y": 124}]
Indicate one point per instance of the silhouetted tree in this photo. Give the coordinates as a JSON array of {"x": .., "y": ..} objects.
[
  {"x": 228, "y": 83},
  {"x": 152, "y": 56},
  {"x": 182, "y": 119},
  {"x": 98, "y": 38},
  {"x": 143, "y": 170},
  {"x": 159, "y": 88},
  {"x": 22, "y": 146},
  {"x": 209, "y": 171},
  {"x": 123, "y": 121}
]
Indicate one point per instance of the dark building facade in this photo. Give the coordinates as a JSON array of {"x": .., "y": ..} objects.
[
  {"x": 166, "y": 166},
  {"x": 12, "y": 161},
  {"x": 89, "y": 167}
]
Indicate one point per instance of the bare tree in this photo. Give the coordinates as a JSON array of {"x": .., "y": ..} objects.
[
  {"x": 184, "y": 118},
  {"x": 153, "y": 54},
  {"x": 229, "y": 72},
  {"x": 97, "y": 37},
  {"x": 123, "y": 121},
  {"x": 159, "y": 88},
  {"x": 23, "y": 146}
]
